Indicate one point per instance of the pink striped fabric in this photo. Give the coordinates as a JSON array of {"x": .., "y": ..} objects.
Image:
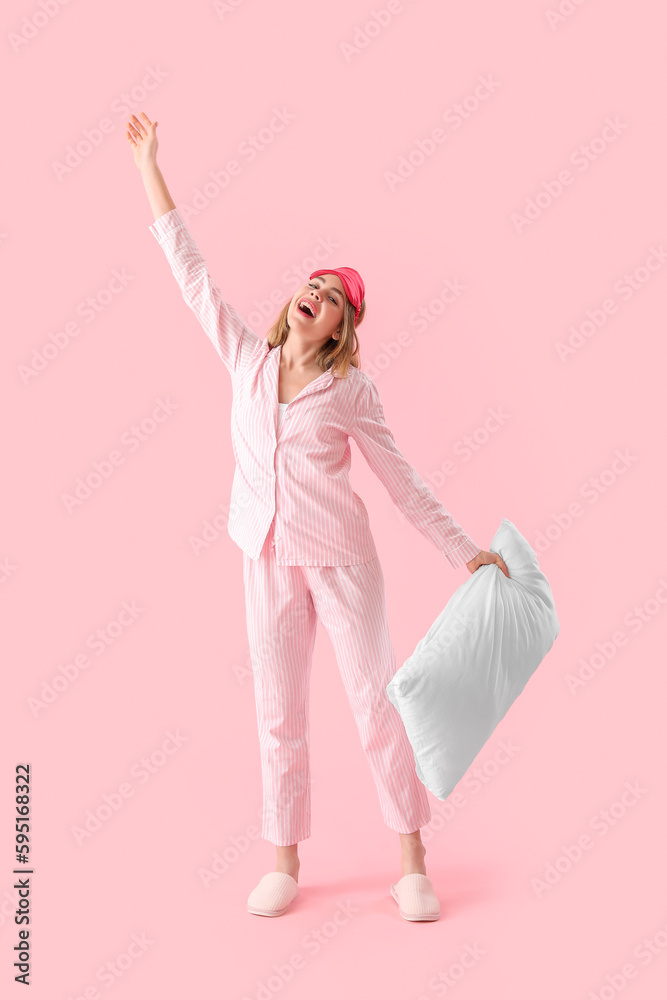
[
  {"x": 293, "y": 474},
  {"x": 283, "y": 604}
]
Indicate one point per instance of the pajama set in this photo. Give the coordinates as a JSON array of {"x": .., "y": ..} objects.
[{"x": 308, "y": 552}]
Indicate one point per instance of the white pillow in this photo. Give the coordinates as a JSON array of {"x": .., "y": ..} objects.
[{"x": 474, "y": 661}]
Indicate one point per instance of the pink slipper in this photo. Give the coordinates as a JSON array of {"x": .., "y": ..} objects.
[
  {"x": 273, "y": 894},
  {"x": 416, "y": 898}
]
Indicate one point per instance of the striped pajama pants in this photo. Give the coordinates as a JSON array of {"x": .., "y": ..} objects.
[{"x": 283, "y": 604}]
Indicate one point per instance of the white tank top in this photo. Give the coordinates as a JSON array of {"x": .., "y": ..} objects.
[{"x": 281, "y": 412}]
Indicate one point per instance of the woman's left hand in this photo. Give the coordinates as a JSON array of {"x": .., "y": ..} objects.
[{"x": 484, "y": 558}]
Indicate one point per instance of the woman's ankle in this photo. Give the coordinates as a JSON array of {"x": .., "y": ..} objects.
[
  {"x": 412, "y": 857},
  {"x": 288, "y": 862}
]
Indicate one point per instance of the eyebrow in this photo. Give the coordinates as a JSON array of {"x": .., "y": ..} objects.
[{"x": 320, "y": 277}]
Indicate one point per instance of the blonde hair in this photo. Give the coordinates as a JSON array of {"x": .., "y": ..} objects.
[{"x": 337, "y": 354}]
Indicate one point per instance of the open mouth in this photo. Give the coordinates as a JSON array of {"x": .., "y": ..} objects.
[{"x": 307, "y": 308}]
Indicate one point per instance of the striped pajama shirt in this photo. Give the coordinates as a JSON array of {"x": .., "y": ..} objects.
[{"x": 308, "y": 552}]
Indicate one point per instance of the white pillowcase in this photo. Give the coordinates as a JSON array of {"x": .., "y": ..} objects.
[{"x": 474, "y": 661}]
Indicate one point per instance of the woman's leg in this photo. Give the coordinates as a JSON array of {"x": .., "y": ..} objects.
[
  {"x": 350, "y": 603},
  {"x": 281, "y": 625},
  {"x": 412, "y": 853},
  {"x": 287, "y": 860}
]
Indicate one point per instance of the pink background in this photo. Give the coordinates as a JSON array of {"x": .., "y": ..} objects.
[{"x": 212, "y": 77}]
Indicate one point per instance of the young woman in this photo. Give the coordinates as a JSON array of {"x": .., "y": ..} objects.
[{"x": 308, "y": 553}]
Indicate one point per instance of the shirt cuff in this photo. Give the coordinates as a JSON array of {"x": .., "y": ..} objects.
[
  {"x": 166, "y": 224},
  {"x": 463, "y": 554}
]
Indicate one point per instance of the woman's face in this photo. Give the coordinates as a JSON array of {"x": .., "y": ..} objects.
[{"x": 326, "y": 296}]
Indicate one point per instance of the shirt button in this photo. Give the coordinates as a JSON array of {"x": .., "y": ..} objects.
[{"x": 277, "y": 538}]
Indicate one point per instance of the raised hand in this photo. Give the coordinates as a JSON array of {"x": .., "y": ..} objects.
[{"x": 143, "y": 138}]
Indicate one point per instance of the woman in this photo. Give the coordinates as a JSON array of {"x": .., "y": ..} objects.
[{"x": 308, "y": 553}]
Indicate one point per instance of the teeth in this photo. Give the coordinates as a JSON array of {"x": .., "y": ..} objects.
[{"x": 307, "y": 305}]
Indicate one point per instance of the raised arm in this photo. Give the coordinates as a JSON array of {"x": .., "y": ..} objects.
[
  {"x": 232, "y": 339},
  {"x": 405, "y": 486}
]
